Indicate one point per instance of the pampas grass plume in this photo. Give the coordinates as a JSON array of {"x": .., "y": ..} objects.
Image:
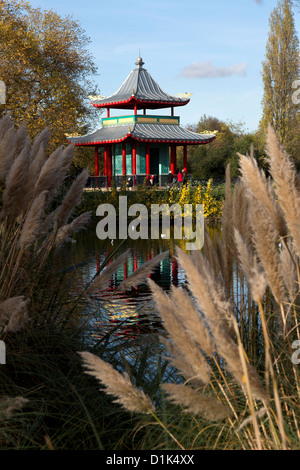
[
  {"x": 140, "y": 274},
  {"x": 101, "y": 282},
  {"x": 117, "y": 384},
  {"x": 13, "y": 314},
  {"x": 209, "y": 408},
  {"x": 33, "y": 221},
  {"x": 71, "y": 199}
]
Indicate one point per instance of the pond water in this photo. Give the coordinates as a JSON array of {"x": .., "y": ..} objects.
[{"x": 132, "y": 313}]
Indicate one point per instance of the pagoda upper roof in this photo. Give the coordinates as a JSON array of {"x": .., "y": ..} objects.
[
  {"x": 164, "y": 133},
  {"x": 140, "y": 90}
]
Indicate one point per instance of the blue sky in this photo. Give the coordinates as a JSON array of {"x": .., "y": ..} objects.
[{"x": 210, "y": 48}]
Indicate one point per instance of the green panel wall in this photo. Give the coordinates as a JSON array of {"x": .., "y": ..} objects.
[
  {"x": 164, "y": 160},
  {"x": 141, "y": 159},
  {"x": 164, "y": 165},
  {"x": 128, "y": 160},
  {"x": 117, "y": 161}
]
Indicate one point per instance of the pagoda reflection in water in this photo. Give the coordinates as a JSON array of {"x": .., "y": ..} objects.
[{"x": 133, "y": 312}]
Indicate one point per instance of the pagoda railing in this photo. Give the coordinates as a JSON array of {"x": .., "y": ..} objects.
[{"x": 101, "y": 182}]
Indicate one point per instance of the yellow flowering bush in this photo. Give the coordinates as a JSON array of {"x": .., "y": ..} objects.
[
  {"x": 184, "y": 195},
  {"x": 172, "y": 198},
  {"x": 212, "y": 206},
  {"x": 197, "y": 199}
]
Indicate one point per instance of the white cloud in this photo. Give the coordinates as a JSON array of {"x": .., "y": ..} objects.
[{"x": 209, "y": 70}]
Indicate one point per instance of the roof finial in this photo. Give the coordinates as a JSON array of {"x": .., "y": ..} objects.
[{"x": 139, "y": 61}]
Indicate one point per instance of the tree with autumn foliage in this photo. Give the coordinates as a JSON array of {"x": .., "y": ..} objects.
[
  {"x": 280, "y": 71},
  {"x": 48, "y": 71}
]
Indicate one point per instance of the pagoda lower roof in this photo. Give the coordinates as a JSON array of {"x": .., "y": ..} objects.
[{"x": 163, "y": 133}]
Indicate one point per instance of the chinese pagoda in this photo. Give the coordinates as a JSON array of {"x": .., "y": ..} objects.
[{"x": 138, "y": 144}]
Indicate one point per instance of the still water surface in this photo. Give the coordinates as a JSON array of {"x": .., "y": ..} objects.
[{"x": 132, "y": 313}]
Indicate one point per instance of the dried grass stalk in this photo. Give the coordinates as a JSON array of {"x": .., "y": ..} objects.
[
  {"x": 240, "y": 215},
  {"x": 209, "y": 291},
  {"x": 259, "y": 414},
  {"x": 8, "y": 406},
  {"x": 22, "y": 142},
  {"x": 229, "y": 350},
  {"x": 266, "y": 244},
  {"x": 33, "y": 220},
  {"x": 54, "y": 171},
  {"x": 198, "y": 286},
  {"x": 41, "y": 141},
  {"x": 212, "y": 254},
  {"x": 284, "y": 174},
  {"x": 37, "y": 159},
  {"x": 65, "y": 232},
  {"x": 14, "y": 185},
  {"x": 119, "y": 385},
  {"x": 288, "y": 262},
  {"x": 180, "y": 336},
  {"x": 252, "y": 270},
  {"x": 227, "y": 251},
  {"x": 219, "y": 316},
  {"x": 190, "y": 317},
  {"x": 5, "y": 125},
  {"x": 102, "y": 281},
  {"x": 7, "y": 146},
  {"x": 209, "y": 408},
  {"x": 227, "y": 208},
  {"x": 179, "y": 361},
  {"x": 71, "y": 199},
  {"x": 140, "y": 274},
  {"x": 13, "y": 314},
  {"x": 259, "y": 189}
]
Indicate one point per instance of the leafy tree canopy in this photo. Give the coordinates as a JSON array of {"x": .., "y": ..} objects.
[
  {"x": 47, "y": 69},
  {"x": 210, "y": 161}
]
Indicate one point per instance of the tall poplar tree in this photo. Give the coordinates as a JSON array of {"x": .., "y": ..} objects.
[{"x": 280, "y": 70}]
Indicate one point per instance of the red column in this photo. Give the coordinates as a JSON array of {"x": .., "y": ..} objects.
[
  {"x": 173, "y": 158},
  {"x": 124, "y": 158},
  {"x": 135, "y": 109},
  {"x": 108, "y": 112},
  {"x": 147, "y": 159},
  {"x": 105, "y": 162},
  {"x": 174, "y": 272},
  {"x": 134, "y": 161},
  {"x": 109, "y": 165},
  {"x": 135, "y": 262},
  {"x": 98, "y": 263},
  {"x": 185, "y": 158},
  {"x": 172, "y": 110},
  {"x": 96, "y": 161}
]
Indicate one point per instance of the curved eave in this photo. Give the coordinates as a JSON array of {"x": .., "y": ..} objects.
[
  {"x": 157, "y": 141},
  {"x": 130, "y": 136},
  {"x": 99, "y": 142},
  {"x": 131, "y": 102}
]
